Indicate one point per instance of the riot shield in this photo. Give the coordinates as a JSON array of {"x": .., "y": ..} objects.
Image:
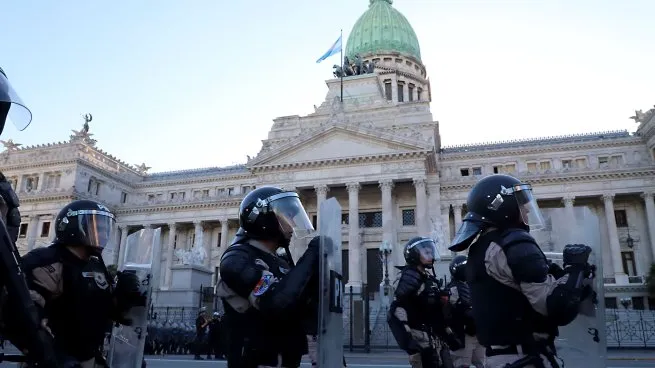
[
  {"x": 128, "y": 342},
  {"x": 330, "y": 324},
  {"x": 582, "y": 343}
]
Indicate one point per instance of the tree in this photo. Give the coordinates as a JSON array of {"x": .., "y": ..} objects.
[{"x": 650, "y": 281}]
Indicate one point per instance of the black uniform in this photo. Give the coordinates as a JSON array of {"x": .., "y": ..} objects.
[
  {"x": 74, "y": 291},
  {"x": 264, "y": 296},
  {"x": 416, "y": 316},
  {"x": 519, "y": 294}
]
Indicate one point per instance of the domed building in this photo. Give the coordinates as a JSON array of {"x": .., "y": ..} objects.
[{"x": 379, "y": 153}]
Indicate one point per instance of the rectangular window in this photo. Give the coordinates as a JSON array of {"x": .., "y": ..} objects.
[
  {"x": 45, "y": 230},
  {"x": 510, "y": 169},
  {"x": 151, "y": 197},
  {"x": 410, "y": 92},
  {"x": 345, "y": 219},
  {"x": 602, "y": 161},
  {"x": 370, "y": 219},
  {"x": 401, "y": 92},
  {"x": 123, "y": 197},
  {"x": 387, "y": 90},
  {"x": 315, "y": 221},
  {"x": 651, "y": 303},
  {"x": 496, "y": 170},
  {"x": 22, "y": 232},
  {"x": 230, "y": 191},
  {"x": 629, "y": 266},
  {"x": 419, "y": 93},
  {"x": 477, "y": 171},
  {"x": 638, "y": 303},
  {"x": 464, "y": 172},
  {"x": 566, "y": 164},
  {"x": 621, "y": 218},
  {"x": 544, "y": 165},
  {"x": 580, "y": 163},
  {"x": 611, "y": 303},
  {"x": 532, "y": 167},
  {"x": 408, "y": 217},
  {"x": 205, "y": 193}
]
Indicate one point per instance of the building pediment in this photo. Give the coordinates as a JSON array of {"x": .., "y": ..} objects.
[{"x": 339, "y": 142}]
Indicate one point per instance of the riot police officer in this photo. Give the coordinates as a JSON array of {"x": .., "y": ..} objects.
[
  {"x": 462, "y": 317},
  {"x": 264, "y": 295},
  {"x": 416, "y": 316},
  {"x": 518, "y": 299},
  {"x": 71, "y": 286}
]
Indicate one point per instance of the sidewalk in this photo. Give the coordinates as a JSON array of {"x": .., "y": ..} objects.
[{"x": 612, "y": 354}]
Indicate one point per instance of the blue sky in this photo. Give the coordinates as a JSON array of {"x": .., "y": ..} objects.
[{"x": 186, "y": 84}]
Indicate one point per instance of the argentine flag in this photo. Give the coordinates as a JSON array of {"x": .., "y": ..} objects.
[{"x": 336, "y": 47}]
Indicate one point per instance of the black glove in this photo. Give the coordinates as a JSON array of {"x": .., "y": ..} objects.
[
  {"x": 576, "y": 255},
  {"x": 12, "y": 220},
  {"x": 555, "y": 270}
]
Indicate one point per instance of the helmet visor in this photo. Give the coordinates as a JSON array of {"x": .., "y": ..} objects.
[
  {"x": 291, "y": 215},
  {"x": 95, "y": 227},
  {"x": 528, "y": 207},
  {"x": 12, "y": 106},
  {"x": 426, "y": 249}
]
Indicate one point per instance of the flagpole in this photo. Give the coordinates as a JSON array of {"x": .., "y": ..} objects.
[{"x": 342, "y": 69}]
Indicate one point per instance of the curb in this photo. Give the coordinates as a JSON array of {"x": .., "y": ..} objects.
[{"x": 632, "y": 358}]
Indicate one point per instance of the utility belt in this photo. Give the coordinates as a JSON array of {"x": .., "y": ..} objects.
[{"x": 532, "y": 353}]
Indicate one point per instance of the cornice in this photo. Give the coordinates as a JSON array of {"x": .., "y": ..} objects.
[
  {"x": 537, "y": 148},
  {"x": 46, "y": 196},
  {"x": 23, "y": 166},
  {"x": 342, "y": 161},
  {"x": 625, "y": 288},
  {"x": 113, "y": 176},
  {"x": 203, "y": 204},
  {"x": 466, "y": 183},
  {"x": 193, "y": 180}
]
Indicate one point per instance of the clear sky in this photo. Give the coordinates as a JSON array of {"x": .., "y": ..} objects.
[{"x": 185, "y": 84}]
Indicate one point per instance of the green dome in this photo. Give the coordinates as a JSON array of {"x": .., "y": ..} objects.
[{"x": 382, "y": 29}]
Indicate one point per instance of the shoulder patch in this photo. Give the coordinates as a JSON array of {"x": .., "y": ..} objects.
[{"x": 264, "y": 284}]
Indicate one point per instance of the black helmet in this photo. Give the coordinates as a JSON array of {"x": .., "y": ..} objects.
[
  {"x": 11, "y": 106},
  {"x": 273, "y": 214},
  {"x": 458, "y": 268},
  {"x": 500, "y": 201},
  {"x": 86, "y": 223},
  {"x": 420, "y": 251}
]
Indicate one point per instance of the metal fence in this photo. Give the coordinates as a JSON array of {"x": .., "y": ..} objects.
[{"x": 365, "y": 321}]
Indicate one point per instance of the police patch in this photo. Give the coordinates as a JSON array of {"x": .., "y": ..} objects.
[{"x": 264, "y": 284}]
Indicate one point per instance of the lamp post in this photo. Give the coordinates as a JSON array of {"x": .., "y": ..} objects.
[{"x": 385, "y": 286}]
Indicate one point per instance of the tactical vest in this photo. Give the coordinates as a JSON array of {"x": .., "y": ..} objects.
[
  {"x": 78, "y": 317},
  {"x": 424, "y": 310},
  {"x": 263, "y": 338},
  {"x": 503, "y": 315}
]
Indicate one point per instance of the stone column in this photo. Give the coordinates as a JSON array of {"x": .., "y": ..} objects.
[
  {"x": 421, "y": 216},
  {"x": 457, "y": 210},
  {"x": 650, "y": 219},
  {"x": 354, "y": 248},
  {"x": 172, "y": 229},
  {"x": 568, "y": 205},
  {"x": 123, "y": 244},
  {"x": 388, "y": 224},
  {"x": 32, "y": 231},
  {"x": 52, "y": 234},
  {"x": 445, "y": 215},
  {"x": 621, "y": 277},
  {"x": 321, "y": 195}
]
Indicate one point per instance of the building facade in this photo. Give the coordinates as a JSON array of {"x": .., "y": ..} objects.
[{"x": 377, "y": 150}]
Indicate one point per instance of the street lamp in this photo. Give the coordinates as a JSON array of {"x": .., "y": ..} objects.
[{"x": 385, "y": 286}]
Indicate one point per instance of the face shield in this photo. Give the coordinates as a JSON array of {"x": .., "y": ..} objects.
[
  {"x": 11, "y": 106},
  {"x": 528, "y": 208},
  {"x": 95, "y": 227},
  {"x": 426, "y": 249},
  {"x": 291, "y": 215},
  {"x": 472, "y": 225}
]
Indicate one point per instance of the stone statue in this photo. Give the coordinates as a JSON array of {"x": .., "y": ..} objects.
[
  {"x": 338, "y": 71},
  {"x": 437, "y": 234},
  {"x": 370, "y": 67},
  {"x": 10, "y": 145},
  {"x": 194, "y": 256},
  {"x": 83, "y": 135},
  {"x": 142, "y": 169},
  {"x": 359, "y": 70},
  {"x": 643, "y": 117},
  {"x": 347, "y": 67},
  {"x": 87, "y": 120}
]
